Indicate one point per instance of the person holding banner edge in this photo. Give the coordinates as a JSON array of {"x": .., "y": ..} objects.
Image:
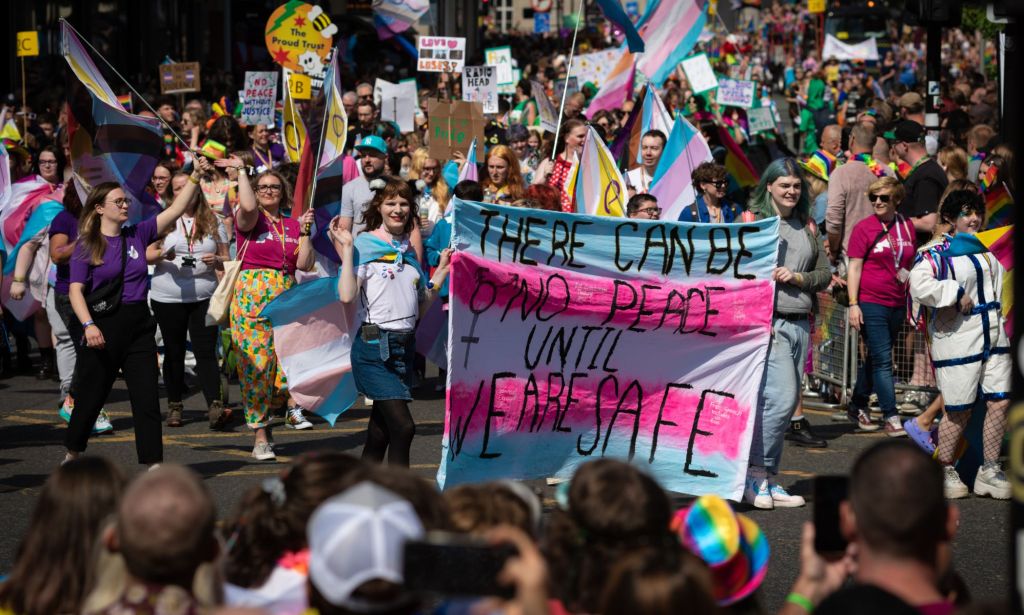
[{"x": 802, "y": 271}]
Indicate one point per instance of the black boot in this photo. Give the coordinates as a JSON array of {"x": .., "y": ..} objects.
[
  {"x": 800, "y": 433},
  {"x": 47, "y": 369}
]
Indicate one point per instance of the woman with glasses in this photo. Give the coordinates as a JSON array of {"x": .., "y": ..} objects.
[
  {"x": 711, "y": 183},
  {"x": 109, "y": 285},
  {"x": 434, "y": 195},
  {"x": 643, "y": 207},
  {"x": 271, "y": 249},
  {"x": 881, "y": 252},
  {"x": 801, "y": 271},
  {"x": 160, "y": 183}
]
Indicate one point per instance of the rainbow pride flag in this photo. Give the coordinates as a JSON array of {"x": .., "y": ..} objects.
[
  {"x": 998, "y": 207},
  {"x": 998, "y": 242},
  {"x": 736, "y": 162}
]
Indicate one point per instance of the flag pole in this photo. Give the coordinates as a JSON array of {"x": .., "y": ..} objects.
[
  {"x": 323, "y": 126},
  {"x": 568, "y": 72},
  {"x": 134, "y": 91}
]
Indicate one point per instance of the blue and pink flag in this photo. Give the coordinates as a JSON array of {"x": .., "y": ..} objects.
[
  {"x": 107, "y": 142},
  {"x": 637, "y": 340},
  {"x": 614, "y": 13},
  {"x": 670, "y": 29},
  {"x": 672, "y": 183},
  {"x": 617, "y": 86},
  {"x": 469, "y": 171},
  {"x": 392, "y": 17}
]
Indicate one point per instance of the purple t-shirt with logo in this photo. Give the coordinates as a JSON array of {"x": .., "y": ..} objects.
[
  {"x": 136, "y": 273},
  {"x": 64, "y": 224}
]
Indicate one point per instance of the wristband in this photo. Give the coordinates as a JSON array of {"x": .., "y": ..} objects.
[
  {"x": 853, "y": 304},
  {"x": 801, "y": 601},
  {"x": 88, "y": 323},
  {"x": 19, "y": 280},
  {"x": 193, "y": 180}
]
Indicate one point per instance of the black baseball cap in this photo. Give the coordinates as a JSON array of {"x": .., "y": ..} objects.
[{"x": 905, "y": 131}]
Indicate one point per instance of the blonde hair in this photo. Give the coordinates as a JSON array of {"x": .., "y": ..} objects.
[
  {"x": 440, "y": 191},
  {"x": 954, "y": 160},
  {"x": 893, "y": 185}
]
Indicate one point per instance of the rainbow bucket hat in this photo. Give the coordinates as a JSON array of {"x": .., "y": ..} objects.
[
  {"x": 731, "y": 544},
  {"x": 819, "y": 164}
]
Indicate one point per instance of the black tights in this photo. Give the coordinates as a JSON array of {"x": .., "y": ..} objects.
[{"x": 391, "y": 429}]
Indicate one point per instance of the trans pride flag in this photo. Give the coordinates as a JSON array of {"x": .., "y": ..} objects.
[
  {"x": 617, "y": 87},
  {"x": 108, "y": 143},
  {"x": 639, "y": 342},
  {"x": 672, "y": 183},
  {"x": 670, "y": 29}
]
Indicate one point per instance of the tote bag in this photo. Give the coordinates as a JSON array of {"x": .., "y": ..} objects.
[{"x": 220, "y": 303}]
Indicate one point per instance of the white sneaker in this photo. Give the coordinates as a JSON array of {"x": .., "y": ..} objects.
[
  {"x": 894, "y": 427},
  {"x": 952, "y": 487},
  {"x": 991, "y": 481},
  {"x": 755, "y": 490},
  {"x": 263, "y": 451},
  {"x": 102, "y": 424},
  {"x": 367, "y": 401},
  {"x": 783, "y": 499},
  {"x": 296, "y": 420}
]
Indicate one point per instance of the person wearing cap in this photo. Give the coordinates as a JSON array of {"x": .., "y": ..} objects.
[
  {"x": 925, "y": 182},
  {"x": 911, "y": 107},
  {"x": 818, "y": 168}
]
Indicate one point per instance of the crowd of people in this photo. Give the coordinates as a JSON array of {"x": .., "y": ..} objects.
[
  {"x": 334, "y": 535},
  {"x": 871, "y": 206}
]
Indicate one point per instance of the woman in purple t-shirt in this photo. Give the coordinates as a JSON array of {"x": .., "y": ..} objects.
[
  {"x": 271, "y": 248},
  {"x": 881, "y": 252},
  {"x": 121, "y": 339}
]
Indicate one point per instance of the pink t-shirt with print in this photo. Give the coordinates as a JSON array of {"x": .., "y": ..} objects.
[{"x": 270, "y": 245}]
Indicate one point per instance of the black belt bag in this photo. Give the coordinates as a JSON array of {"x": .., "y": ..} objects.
[{"x": 105, "y": 300}]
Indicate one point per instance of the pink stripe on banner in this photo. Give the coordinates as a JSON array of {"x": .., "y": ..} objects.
[
  {"x": 725, "y": 306},
  {"x": 297, "y": 337}
]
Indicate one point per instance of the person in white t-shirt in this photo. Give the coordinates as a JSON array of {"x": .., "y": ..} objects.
[
  {"x": 188, "y": 262},
  {"x": 652, "y": 144}
]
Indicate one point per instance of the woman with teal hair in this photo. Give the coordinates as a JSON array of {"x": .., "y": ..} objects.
[{"x": 801, "y": 271}]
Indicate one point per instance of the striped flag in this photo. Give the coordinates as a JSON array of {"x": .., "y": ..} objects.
[
  {"x": 108, "y": 143},
  {"x": 313, "y": 333},
  {"x": 293, "y": 129},
  {"x": 998, "y": 206},
  {"x": 597, "y": 184},
  {"x": 617, "y": 87},
  {"x": 999, "y": 242},
  {"x": 395, "y": 16},
  {"x": 670, "y": 29},
  {"x": 613, "y": 12},
  {"x": 672, "y": 183},
  {"x": 21, "y": 199},
  {"x": 469, "y": 169},
  {"x": 736, "y": 162}
]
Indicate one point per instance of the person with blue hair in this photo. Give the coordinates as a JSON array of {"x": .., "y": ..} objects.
[{"x": 801, "y": 271}]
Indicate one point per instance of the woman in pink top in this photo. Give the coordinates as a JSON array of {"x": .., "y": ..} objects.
[
  {"x": 881, "y": 252},
  {"x": 271, "y": 247}
]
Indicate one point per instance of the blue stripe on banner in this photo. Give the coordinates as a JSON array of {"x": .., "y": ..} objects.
[{"x": 613, "y": 11}]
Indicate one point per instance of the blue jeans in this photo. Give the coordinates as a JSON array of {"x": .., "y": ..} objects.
[
  {"x": 881, "y": 326},
  {"x": 780, "y": 391}
]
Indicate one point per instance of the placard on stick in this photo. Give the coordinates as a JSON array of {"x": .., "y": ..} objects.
[
  {"x": 760, "y": 120},
  {"x": 258, "y": 97},
  {"x": 179, "y": 78},
  {"x": 699, "y": 73},
  {"x": 733, "y": 93},
  {"x": 28, "y": 43},
  {"x": 440, "y": 54},
  {"x": 453, "y": 126},
  {"x": 479, "y": 84},
  {"x": 397, "y": 102}
]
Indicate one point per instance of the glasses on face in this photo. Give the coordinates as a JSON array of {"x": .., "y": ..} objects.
[
  {"x": 651, "y": 212},
  {"x": 47, "y": 163},
  {"x": 265, "y": 188},
  {"x": 881, "y": 198},
  {"x": 721, "y": 183},
  {"x": 122, "y": 202}
]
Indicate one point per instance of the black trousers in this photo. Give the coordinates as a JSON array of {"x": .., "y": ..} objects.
[
  {"x": 178, "y": 323},
  {"x": 130, "y": 346}
]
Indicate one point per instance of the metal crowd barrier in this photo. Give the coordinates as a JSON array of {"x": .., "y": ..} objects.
[{"x": 836, "y": 355}]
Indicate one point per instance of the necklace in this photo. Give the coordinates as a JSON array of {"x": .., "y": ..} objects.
[{"x": 873, "y": 165}]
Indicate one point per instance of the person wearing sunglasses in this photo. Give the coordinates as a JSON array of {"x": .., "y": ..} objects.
[
  {"x": 643, "y": 207},
  {"x": 881, "y": 251},
  {"x": 711, "y": 183},
  {"x": 108, "y": 291}
]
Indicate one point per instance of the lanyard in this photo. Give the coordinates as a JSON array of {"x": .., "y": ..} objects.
[
  {"x": 189, "y": 237},
  {"x": 898, "y": 223},
  {"x": 268, "y": 162},
  {"x": 280, "y": 237},
  {"x": 923, "y": 160}
]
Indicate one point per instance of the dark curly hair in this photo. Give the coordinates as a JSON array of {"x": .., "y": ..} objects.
[
  {"x": 708, "y": 172},
  {"x": 960, "y": 202}
]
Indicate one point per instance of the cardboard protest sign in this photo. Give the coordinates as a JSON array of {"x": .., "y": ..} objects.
[
  {"x": 699, "y": 73},
  {"x": 27, "y": 43},
  {"x": 501, "y": 57},
  {"x": 480, "y": 84},
  {"x": 547, "y": 112},
  {"x": 440, "y": 54},
  {"x": 760, "y": 120},
  {"x": 733, "y": 93},
  {"x": 453, "y": 126},
  {"x": 258, "y": 97},
  {"x": 299, "y": 37},
  {"x": 179, "y": 78},
  {"x": 397, "y": 102},
  {"x": 576, "y": 337}
]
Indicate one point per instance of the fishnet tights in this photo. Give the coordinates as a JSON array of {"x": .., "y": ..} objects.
[{"x": 994, "y": 428}]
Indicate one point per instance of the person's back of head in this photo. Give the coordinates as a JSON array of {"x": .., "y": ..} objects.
[
  {"x": 897, "y": 502},
  {"x": 165, "y": 526},
  {"x": 54, "y": 561},
  {"x": 469, "y": 190},
  {"x": 862, "y": 139},
  {"x": 668, "y": 580},
  {"x": 477, "y": 508}
]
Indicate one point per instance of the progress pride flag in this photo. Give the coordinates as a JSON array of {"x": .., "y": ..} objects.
[{"x": 574, "y": 337}]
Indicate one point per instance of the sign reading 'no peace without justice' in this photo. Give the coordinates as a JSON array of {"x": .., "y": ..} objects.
[{"x": 577, "y": 337}]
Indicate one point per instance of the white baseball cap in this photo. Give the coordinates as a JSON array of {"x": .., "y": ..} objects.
[{"x": 356, "y": 537}]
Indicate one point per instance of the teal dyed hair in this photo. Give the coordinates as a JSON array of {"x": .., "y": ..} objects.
[{"x": 761, "y": 203}]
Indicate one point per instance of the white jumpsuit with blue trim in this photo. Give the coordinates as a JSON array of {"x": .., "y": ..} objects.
[{"x": 971, "y": 350}]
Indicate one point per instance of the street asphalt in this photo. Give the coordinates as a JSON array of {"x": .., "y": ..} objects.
[{"x": 31, "y": 433}]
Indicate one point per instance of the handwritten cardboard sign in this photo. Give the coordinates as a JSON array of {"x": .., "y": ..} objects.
[
  {"x": 179, "y": 78},
  {"x": 641, "y": 341},
  {"x": 760, "y": 120},
  {"x": 453, "y": 126},
  {"x": 440, "y": 54},
  {"x": 480, "y": 84},
  {"x": 500, "y": 57},
  {"x": 699, "y": 73},
  {"x": 733, "y": 93},
  {"x": 258, "y": 97}
]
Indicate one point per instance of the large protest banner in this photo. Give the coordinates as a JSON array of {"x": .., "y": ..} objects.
[{"x": 575, "y": 337}]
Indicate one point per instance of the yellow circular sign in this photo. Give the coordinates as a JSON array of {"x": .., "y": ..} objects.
[{"x": 299, "y": 37}]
